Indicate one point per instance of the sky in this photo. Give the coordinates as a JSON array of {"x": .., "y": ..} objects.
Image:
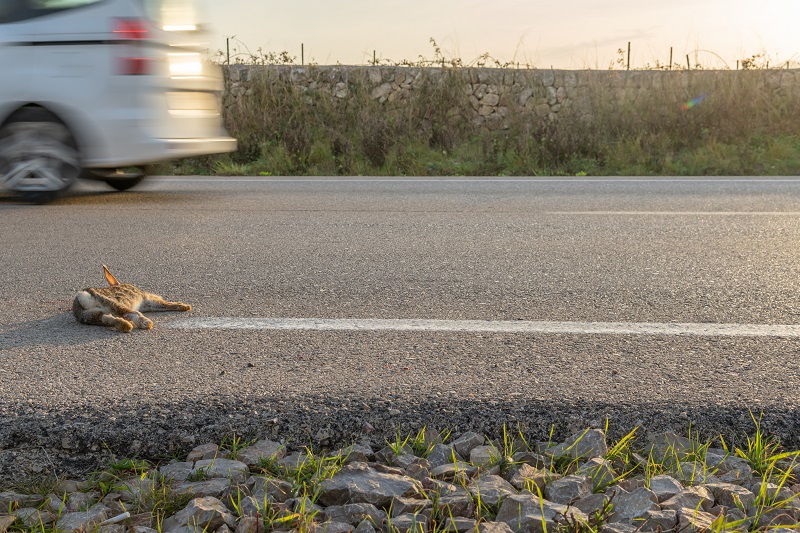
[{"x": 572, "y": 34}]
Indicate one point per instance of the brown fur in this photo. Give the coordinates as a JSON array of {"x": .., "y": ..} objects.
[{"x": 119, "y": 305}]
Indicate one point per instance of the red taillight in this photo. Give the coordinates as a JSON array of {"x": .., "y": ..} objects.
[{"x": 131, "y": 61}]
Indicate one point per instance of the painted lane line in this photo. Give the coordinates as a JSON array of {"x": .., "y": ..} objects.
[{"x": 486, "y": 326}]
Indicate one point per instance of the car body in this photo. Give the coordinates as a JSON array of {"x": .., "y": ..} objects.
[{"x": 92, "y": 87}]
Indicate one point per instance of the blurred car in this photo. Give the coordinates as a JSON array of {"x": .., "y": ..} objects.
[{"x": 100, "y": 88}]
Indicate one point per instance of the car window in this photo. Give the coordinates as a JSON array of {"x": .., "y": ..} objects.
[{"x": 17, "y": 10}]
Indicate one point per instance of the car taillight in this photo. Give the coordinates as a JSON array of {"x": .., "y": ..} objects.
[{"x": 131, "y": 61}]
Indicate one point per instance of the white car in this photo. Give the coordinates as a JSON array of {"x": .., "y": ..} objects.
[{"x": 98, "y": 88}]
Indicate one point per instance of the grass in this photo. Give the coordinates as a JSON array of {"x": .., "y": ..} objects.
[
  {"x": 630, "y": 458},
  {"x": 744, "y": 124}
]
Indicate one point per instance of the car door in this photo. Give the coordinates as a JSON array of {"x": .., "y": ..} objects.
[{"x": 16, "y": 58}]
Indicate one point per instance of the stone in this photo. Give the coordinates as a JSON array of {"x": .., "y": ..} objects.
[
  {"x": 542, "y": 110},
  {"x": 735, "y": 470},
  {"x": 490, "y": 99},
  {"x": 275, "y": 490},
  {"x": 263, "y": 450},
  {"x": 532, "y": 459},
  {"x": 419, "y": 472},
  {"x": 668, "y": 446},
  {"x": 776, "y": 518},
  {"x": 358, "y": 483},
  {"x": 81, "y": 501},
  {"x": 567, "y": 489},
  {"x": 552, "y": 95},
  {"x": 618, "y": 527},
  {"x": 355, "y": 513},
  {"x": 216, "y": 487},
  {"x": 442, "y": 454},
  {"x": 633, "y": 483},
  {"x": 5, "y": 523},
  {"x": 592, "y": 503},
  {"x": 82, "y": 520},
  {"x": 665, "y": 487},
  {"x": 13, "y": 499},
  {"x": 693, "y": 473},
  {"x": 177, "y": 472},
  {"x": 235, "y": 471},
  {"x": 691, "y": 497},
  {"x": 404, "y": 461},
  {"x": 459, "y": 524},
  {"x": 527, "y": 513},
  {"x": 340, "y": 91},
  {"x": 458, "y": 471},
  {"x": 527, "y": 475},
  {"x": 773, "y": 491},
  {"x": 366, "y": 526},
  {"x": 481, "y": 455},
  {"x": 201, "y": 514},
  {"x": 113, "y": 500},
  {"x": 630, "y": 506},
  {"x": 247, "y": 524},
  {"x": 492, "y": 527},
  {"x": 657, "y": 521},
  {"x": 356, "y": 453},
  {"x": 293, "y": 461},
  {"x": 205, "y": 451},
  {"x": 599, "y": 471},
  {"x": 32, "y": 517},
  {"x": 382, "y": 92},
  {"x": 730, "y": 495},
  {"x": 458, "y": 505},
  {"x": 491, "y": 490},
  {"x": 587, "y": 444},
  {"x": 691, "y": 520},
  {"x": 333, "y": 527},
  {"x": 254, "y": 506},
  {"x": 524, "y": 96},
  {"x": 409, "y": 505},
  {"x": 409, "y": 523}
]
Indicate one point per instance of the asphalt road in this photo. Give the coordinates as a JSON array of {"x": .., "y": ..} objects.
[{"x": 564, "y": 252}]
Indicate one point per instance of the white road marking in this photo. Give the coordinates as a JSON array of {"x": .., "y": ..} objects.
[{"x": 486, "y": 326}]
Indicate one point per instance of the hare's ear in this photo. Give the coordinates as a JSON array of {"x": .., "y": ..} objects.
[{"x": 111, "y": 279}]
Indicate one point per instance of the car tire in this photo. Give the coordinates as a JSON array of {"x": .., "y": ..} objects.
[{"x": 39, "y": 157}]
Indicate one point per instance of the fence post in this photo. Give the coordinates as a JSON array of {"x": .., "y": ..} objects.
[
  {"x": 302, "y": 54},
  {"x": 670, "y": 58},
  {"x": 228, "y": 49},
  {"x": 629, "y": 55}
]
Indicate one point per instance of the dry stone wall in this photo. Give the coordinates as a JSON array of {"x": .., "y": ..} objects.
[{"x": 491, "y": 96}]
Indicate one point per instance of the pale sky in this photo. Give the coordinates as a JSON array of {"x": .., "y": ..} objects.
[{"x": 562, "y": 34}]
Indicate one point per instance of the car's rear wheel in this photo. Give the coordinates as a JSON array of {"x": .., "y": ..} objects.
[{"x": 39, "y": 158}]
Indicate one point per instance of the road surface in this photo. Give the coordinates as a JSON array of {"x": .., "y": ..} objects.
[{"x": 329, "y": 309}]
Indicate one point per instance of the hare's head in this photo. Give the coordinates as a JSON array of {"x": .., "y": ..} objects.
[{"x": 110, "y": 277}]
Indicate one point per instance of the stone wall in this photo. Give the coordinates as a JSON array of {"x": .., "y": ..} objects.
[{"x": 490, "y": 96}]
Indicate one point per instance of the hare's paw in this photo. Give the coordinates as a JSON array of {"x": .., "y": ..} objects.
[
  {"x": 184, "y": 307},
  {"x": 139, "y": 320},
  {"x": 123, "y": 325}
]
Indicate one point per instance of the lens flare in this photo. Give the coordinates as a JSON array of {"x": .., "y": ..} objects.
[{"x": 693, "y": 102}]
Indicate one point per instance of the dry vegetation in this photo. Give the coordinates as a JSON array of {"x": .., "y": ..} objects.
[{"x": 745, "y": 124}]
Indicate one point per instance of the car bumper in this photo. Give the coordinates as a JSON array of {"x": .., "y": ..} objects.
[{"x": 157, "y": 150}]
